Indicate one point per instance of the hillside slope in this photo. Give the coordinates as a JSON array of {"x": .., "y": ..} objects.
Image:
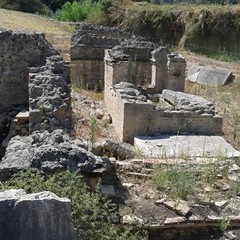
[{"x": 57, "y": 33}]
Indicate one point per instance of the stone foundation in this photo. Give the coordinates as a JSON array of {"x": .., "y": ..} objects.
[{"x": 132, "y": 111}]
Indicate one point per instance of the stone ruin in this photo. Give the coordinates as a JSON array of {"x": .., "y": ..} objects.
[
  {"x": 34, "y": 85},
  {"x": 143, "y": 84},
  {"x": 87, "y": 51},
  {"x": 20, "y": 213},
  {"x": 144, "y": 111},
  {"x": 35, "y": 105}
]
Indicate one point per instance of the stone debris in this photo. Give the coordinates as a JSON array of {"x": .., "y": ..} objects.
[
  {"x": 209, "y": 76},
  {"x": 174, "y": 220},
  {"x": 49, "y": 152},
  {"x": 38, "y": 216},
  {"x": 131, "y": 219},
  {"x": 179, "y": 207},
  {"x": 222, "y": 185},
  {"x": 220, "y": 205}
]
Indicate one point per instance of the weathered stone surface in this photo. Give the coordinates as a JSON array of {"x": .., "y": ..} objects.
[
  {"x": 179, "y": 207},
  {"x": 18, "y": 51},
  {"x": 182, "y": 146},
  {"x": 38, "y": 216},
  {"x": 48, "y": 152},
  {"x": 132, "y": 219},
  {"x": 49, "y": 97},
  {"x": 174, "y": 220},
  {"x": 118, "y": 150},
  {"x": 187, "y": 101},
  {"x": 209, "y": 76}
]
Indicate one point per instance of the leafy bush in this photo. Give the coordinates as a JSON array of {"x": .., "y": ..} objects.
[
  {"x": 76, "y": 11},
  {"x": 91, "y": 212},
  {"x": 177, "y": 182}
]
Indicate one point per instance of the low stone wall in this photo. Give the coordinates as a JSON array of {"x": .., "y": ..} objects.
[{"x": 134, "y": 115}]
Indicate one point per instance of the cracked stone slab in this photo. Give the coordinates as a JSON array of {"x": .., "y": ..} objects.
[
  {"x": 174, "y": 220},
  {"x": 184, "y": 146},
  {"x": 179, "y": 207},
  {"x": 209, "y": 76}
]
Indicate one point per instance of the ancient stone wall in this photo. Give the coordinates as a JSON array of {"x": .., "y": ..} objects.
[
  {"x": 18, "y": 51},
  {"x": 47, "y": 93},
  {"x": 87, "y": 53},
  {"x": 167, "y": 70},
  {"x": 132, "y": 111},
  {"x": 134, "y": 115},
  {"x": 49, "y": 96}
]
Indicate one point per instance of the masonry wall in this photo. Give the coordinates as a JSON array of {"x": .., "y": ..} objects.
[
  {"x": 18, "y": 51},
  {"x": 133, "y": 114},
  {"x": 49, "y": 96},
  {"x": 143, "y": 120},
  {"x": 135, "y": 118},
  {"x": 46, "y": 95},
  {"x": 87, "y": 53}
]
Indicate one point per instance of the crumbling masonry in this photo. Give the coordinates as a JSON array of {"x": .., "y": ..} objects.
[
  {"x": 145, "y": 112},
  {"x": 34, "y": 85},
  {"x": 143, "y": 84},
  {"x": 87, "y": 51}
]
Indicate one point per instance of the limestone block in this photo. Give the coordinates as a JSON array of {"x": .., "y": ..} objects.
[
  {"x": 39, "y": 216},
  {"x": 209, "y": 76}
]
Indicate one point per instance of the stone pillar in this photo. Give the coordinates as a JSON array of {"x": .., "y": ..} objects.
[
  {"x": 159, "y": 69},
  {"x": 176, "y": 73},
  {"x": 117, "y": 67}
]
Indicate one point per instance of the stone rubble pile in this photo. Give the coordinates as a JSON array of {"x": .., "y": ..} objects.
[{"x": 49, "y": 152}]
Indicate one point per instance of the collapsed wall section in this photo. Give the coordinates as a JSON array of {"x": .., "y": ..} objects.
[{"x": 49, "y": 96}]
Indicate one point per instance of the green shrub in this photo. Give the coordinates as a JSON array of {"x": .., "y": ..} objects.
[
  {"x": 91, "y": 212},
  {"x": 176, "y": 181},
  {"x": 76, "y": 11},
  {"x": 55, "y": 4}
]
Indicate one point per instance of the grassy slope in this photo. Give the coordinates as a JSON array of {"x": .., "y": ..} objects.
[{"x": 58, "y": 33}]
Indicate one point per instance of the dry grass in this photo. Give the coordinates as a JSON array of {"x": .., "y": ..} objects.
[
  {"x": 57, "y": 33},
  {"x": 225, "y": 98}
]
